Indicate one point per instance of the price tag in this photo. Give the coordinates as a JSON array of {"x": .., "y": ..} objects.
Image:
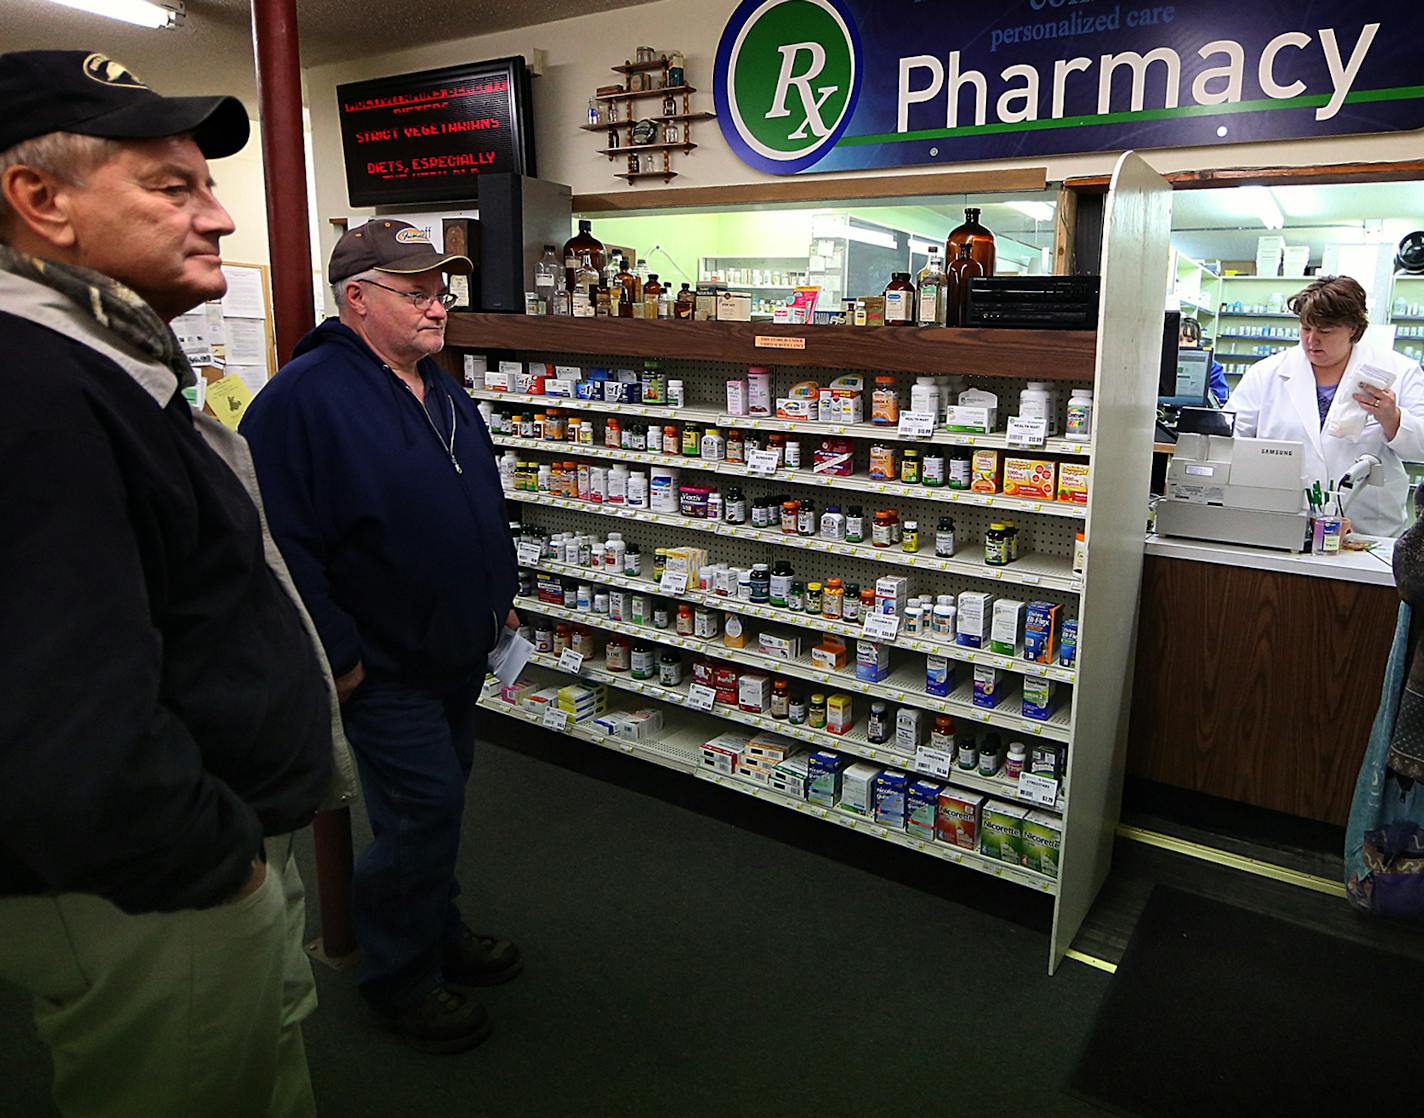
[
  {"x": 701, "y": 697},
  {"x": 1038, "y": 789},
  {"x": 1027, "y": 432},
  {"x": 673, "y": 583},
  {"x": 529, "y": 553},
  {"x": 936, "y": 762},
  {"x": 916, "y": 424},
  {"x": 762, "y": 461},
  {"x": 881, "y": 626},
  {"x": 555, "y": 719},
  {"x": 570, "y": 661}
]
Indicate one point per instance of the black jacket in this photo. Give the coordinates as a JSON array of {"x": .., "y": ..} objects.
[
  {"x": 163, "y": 706},
  {"x": 405, "y": 563}
]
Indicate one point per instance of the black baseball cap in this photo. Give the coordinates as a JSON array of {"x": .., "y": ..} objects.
[
  {"x": 88, "y": 92},
  {"x": 386, "y": 245}
]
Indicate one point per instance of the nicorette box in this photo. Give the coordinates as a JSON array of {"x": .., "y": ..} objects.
[
  {"x": 1001, "y": 832},
  {"x": 957, "y": 819},
  {"x": 1042, "y": 842},
  {"x": 921, "y": 807},
  {"x": 824, "y": 769},
  {"x": 858, "y": 787},
  {"x": 890, "y": 788}
]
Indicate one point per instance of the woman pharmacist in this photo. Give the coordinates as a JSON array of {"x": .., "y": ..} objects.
[{"x": 1290, "y": 395}]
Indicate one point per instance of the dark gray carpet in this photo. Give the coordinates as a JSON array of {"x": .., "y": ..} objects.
[{"x": 693, "y": 952}]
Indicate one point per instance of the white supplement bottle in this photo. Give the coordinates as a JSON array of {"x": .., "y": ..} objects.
[
  {"x": 1080, "y": 413},
  {"x": 617, "y": 485},
  {"x": 1036, "y": 402},
  {"x": 637, "y": 489}
]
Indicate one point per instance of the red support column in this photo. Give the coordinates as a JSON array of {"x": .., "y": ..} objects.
[{"x": 279, "y": 86}]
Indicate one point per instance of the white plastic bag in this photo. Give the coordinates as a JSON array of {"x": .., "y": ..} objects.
[{"x": 1347, "y": 416}]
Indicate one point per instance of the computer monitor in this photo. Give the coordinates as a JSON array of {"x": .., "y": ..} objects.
[
  {"x": 1182, "y": 377},
  {"x": 1192, "y": 369}
]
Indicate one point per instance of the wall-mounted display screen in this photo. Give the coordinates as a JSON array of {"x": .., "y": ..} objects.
[{"x": 428, "y": 136}]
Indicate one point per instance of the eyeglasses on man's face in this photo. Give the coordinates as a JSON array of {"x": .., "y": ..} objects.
[{"x": 421, "y": 300}]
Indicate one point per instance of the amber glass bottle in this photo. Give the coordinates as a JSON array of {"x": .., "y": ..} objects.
[
  {"x": 980, "y": 240},
  {"x": 626, "y": 291},
  {"x": 585, "y": 242},
  {"x": 964, "y": 268},
  {"x": 686, "y": 301},
  {"x": 651, "y": 290}
]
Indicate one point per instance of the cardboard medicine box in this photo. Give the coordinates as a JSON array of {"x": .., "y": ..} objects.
[
  {"x": 921, "y": 807},
  {"x": 1001, "y": 832},
  {"x": 1030, "y": 478},
  {"x": 1040, "y": 631},
  {"x": 824, "y": 771},
  {"x": 1042, "y": 842},
  {"x": 890, "y": 788},
  {"x": 957, "y": 818},
  {"x": 1073, "y": 482},
  {"x": 858, "y": 787}
]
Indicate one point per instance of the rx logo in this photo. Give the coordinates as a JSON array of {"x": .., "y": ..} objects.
[{"x": 786, "y": 81}]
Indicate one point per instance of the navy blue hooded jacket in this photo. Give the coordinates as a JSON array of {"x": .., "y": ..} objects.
[{"x": 405, "y": 562}]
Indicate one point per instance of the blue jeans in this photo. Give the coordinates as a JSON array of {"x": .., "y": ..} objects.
[{"x": 414, "y": 749}]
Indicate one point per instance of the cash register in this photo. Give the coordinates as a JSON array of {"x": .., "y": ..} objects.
[{"x": 1237, "y": 491}]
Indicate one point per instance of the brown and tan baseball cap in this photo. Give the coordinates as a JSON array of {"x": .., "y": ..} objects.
[{"x": 397, "y": 247}]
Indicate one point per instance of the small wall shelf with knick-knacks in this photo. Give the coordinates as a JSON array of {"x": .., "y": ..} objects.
[{"x": 646, "y": 142}]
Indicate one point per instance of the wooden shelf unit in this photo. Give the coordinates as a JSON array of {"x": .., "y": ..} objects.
[{"x": 904, "y": 349}]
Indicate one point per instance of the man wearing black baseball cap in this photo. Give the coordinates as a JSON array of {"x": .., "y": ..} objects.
[
  {"x": 169, "y": 717},
  {"x": 381, "y": 488}
]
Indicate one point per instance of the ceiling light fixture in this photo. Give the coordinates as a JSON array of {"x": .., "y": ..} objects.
[
  {"x": 142, "y": 13},
  {"x": 1260, "y": 199},
  {"x": 1039, "y": 211}
]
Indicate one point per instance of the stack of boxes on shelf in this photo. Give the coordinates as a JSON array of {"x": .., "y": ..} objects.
[{"x": 991, "y": 644}]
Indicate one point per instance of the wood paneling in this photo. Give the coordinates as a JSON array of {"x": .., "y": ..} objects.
[
  {"x": 800, "y": 189},
  {"x": 1257, "y": 686},
  {"x": 1403, "y": 171},
  {"x": 907, "y": 349}
]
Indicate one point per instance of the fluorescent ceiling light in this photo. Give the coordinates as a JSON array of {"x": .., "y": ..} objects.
[
  {"x": 1039, "y": 211},
  {"x": 1260, "y": 199},
  {"x": 139, "y": 12},
  {"x": 922, "y": 248},
  {"x": 840, "y": 227}
]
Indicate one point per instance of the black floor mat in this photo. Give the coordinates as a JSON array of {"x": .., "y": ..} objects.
[{"x": 1217, "y": 1010}]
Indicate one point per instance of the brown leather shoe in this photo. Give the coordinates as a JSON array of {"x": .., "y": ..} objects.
[
  {"x": 449, "y": 1019},
  {"x": 476, "y": 960}
]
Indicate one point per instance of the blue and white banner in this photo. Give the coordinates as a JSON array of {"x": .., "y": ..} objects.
[{"x": 831, "y": 85}]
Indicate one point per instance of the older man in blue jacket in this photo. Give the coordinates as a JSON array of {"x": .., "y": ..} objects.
[{"x": 382, "y": 492}]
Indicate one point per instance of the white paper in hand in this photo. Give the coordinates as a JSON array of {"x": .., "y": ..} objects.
[{"x": 509, "y": 656}]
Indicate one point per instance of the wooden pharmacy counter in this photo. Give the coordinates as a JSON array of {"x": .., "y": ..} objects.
[{"x": 1258, "y": 673}]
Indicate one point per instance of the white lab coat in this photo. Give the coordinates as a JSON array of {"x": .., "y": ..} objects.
[{"x": 1276, "y": 400}]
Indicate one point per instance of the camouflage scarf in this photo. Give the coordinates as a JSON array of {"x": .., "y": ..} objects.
[{"x": 117, "y": 308}]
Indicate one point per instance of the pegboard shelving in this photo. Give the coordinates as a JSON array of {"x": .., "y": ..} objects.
[{"x": 1118, "y": 361}]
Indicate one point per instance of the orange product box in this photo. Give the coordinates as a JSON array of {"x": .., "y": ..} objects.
[
  {"x": 1073, "y": 482},
  {"x": 984, "y": 472},
  {"x": 1029, "y": 477}
]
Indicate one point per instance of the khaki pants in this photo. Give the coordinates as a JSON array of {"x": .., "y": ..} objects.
[{"x": 170, "y": 1015}]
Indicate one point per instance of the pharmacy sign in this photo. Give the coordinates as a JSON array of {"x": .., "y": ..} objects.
[
  {"x": 788, "y": 74},
  {"x": 829, "y": 85}
]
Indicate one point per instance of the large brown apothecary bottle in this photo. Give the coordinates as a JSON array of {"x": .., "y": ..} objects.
[
  {"x": 962, "y": 269},
  {"x": 977, "y": 237},
  {"x": 585, "y": 242}
]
